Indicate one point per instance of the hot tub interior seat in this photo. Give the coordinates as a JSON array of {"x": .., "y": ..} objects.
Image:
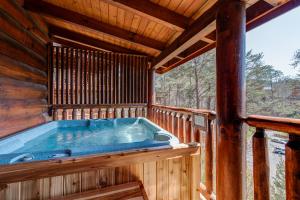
[{"x": 60, "y": 139}]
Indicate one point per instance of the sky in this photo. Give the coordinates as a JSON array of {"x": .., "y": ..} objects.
[{"x": 278, "y": 39}]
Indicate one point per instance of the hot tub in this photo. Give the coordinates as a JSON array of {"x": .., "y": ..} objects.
[{"x": 68, "y": 138}]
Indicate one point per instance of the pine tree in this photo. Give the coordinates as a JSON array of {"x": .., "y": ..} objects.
[{"x": 296, "y": 59}]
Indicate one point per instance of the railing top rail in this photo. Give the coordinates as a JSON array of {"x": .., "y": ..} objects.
[
  {"x": 78, "y": 106},
  {"x": 281, "y": 124},
  {"x": 210, "y": 114},
  {"x": 287, "y": 125}
]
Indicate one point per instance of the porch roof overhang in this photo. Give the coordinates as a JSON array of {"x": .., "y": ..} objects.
[{"x": 170, "y": 32}]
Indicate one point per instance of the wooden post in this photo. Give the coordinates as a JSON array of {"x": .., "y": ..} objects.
[
  {"x": 230, "y": 59},
  {"x": 260, "y": 165},
  {"x": 170, "y": 119},
  {"x": 209, "y": 159},
  {"x": 151, "y": 92},
  {"x": 188, "y": 129},
  {"x": 181, "y": 127},
  {"x": 292, "y": 167}
]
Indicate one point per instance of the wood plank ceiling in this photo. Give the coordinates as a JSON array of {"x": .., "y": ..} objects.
[{"x": 171, "y": 32}]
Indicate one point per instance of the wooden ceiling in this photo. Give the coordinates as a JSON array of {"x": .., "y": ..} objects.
[{"x": 171, "y": 32}]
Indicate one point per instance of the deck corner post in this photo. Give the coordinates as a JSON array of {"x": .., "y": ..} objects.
[{"x": 230, "y": 59}]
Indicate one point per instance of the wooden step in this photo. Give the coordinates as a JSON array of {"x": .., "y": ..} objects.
[{"x": 127, "y": 191}]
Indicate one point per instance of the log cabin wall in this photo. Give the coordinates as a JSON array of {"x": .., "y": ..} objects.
[{"x": 23, "y": 69}]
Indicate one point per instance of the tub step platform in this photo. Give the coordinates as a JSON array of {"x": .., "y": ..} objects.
[{"x": 127, "y": 191}]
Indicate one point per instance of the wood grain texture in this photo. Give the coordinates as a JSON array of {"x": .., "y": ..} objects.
[
  {"x": 155, "y": 12},
  {"x": 162, "y": 179},
  {"x": 230, "y": 97},
  {"x": 118, "y": 81},
  {"x": 45, "y": 8},
  {"x": 292, "y": 167},
  {"x": 132, "y": 190},
  {"x": 23, "y": 71},
  {"x": 41, "y": 169},
  {"x": 258, "y": 13},
  {"x": 261, "y": 169},
  {"x": 281, "y": 124}
]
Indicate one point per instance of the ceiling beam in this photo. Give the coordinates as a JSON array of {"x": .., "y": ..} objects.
[
  {"x": 257, "y": 14},
  {"x": 70, "y": 43},
  {"x": 263, "y": 14},
  {"x": 198, "y": 45},
  {"x": 153, "y": 12},
  {"x": 186, "y": 59},
  {"x": 57, "y": 12},
  {"x": 189, "y": 37},
  {"x": 71, "y": 35}
]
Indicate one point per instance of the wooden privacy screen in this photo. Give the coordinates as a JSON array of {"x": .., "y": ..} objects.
[{"x": 79, "y": 76}]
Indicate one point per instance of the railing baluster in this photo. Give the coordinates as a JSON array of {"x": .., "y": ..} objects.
[
  {"x": 115, "y": 111},
  {"x": 165, "y": 120},
  {"x": 111, "y": 113},
  {"x": 162, "y": 120},
  {"x": 106, "y": 113},
  {"x": 161, "y": 117},
  {"x": 196, "y": 135},
  {"x": 175, "y": 124},
  {"x": 122, "y": 113},
  {"x": 158, "y": 116},
  {"x": 188, "y": 129},
  {"x": 181, "y": 127},
  {"x": 55, "y": 114},
  {"x": 155, "y": 116},
  {"x": 260, "y": 165},
  {"x": 136, "y": 112},
  {"x": 129, "y": 112},
  {"x": 91, "y": 113},
  {"x": 170, "y": 124},
  {"x": 82, "y": 113},
  {"x": 99, "y": 113},
  {"x": 74, "y": 113},
  {"x": 65, "y": 114},
  {"x": 209, "y": 159},
  {"x": 292, "y": 167}
]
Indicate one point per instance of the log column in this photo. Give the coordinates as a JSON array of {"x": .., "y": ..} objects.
[{"x": 230, "y": 59}]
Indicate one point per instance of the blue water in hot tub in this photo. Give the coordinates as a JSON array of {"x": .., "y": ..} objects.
[{"x": 60, "y": 139}]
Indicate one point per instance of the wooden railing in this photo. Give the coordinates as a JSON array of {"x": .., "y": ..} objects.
[
  {"x": 70, "y": 112},
  {"x": 261, "y": 171},
  {"x": 180, "y": 122}
]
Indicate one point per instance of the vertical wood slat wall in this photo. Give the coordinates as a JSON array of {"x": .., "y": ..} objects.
[
  {"x": 174, "y": 178},
  {"x": 97, "y": 78}
]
